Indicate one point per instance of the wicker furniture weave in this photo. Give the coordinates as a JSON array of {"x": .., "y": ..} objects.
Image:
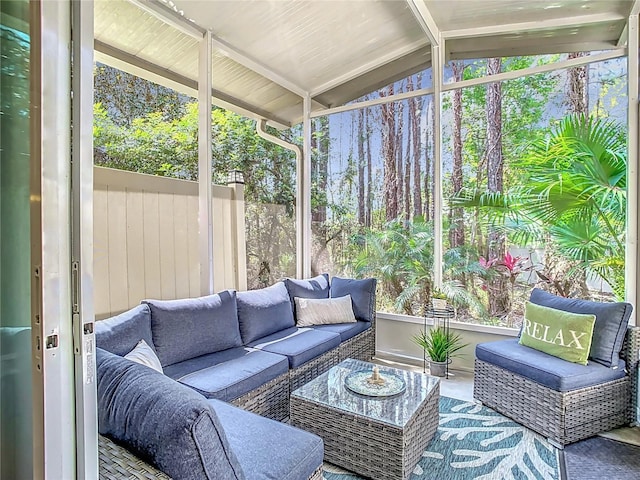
[
  {"x": 563, "y": 417},
  {"x": 380, "y": 438},
  {"x": 270, "y": 400}
]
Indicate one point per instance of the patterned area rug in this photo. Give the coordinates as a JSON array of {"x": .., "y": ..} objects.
[
  {"x": 600, "y": 458},
  {"x": 474, "y": 442}
]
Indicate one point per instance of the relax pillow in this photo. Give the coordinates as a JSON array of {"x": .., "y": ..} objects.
[
  {"x": 163, "y": 422},
  {"x": 562, "y": 334},
  {"x": 316, "y": 287},
  {"x": 316, "y": 311},
  {"x": 144, "y": 355},
  {"x": 363, "y": 295},
  {"x": 264, "y": 311},
  {"x": 121, "y": 334},
  {"x": 610, "y": 327},
  {"x": 187, "y": 328}
]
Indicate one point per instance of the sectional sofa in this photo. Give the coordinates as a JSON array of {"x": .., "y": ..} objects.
[{"x": 232, "y": 349}]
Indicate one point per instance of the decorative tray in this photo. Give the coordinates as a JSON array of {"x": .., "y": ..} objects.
[{"x": 358, "y": 382}]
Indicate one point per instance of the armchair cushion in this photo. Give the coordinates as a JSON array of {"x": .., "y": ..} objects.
[
  {"x": 191, "y": 327},
  {"x": 121, "y": 334},
  {"x": 165, "y": 423},
  {"x": 363, "y": 295},
  {"x": 264, "y": 311},
  {"x": 552, "y": 372},
  {"x": 610, "y": 327}
]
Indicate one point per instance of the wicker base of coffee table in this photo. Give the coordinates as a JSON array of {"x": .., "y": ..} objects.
[{"x": 380, "y": 438}]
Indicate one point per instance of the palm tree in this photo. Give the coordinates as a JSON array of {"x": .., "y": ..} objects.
[{"x": 574, "y": 196}]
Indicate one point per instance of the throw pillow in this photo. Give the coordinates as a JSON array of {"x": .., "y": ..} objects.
[
  {"x": 316, "y": 287},
  {"x": 562, "y": 334},
  {"x": 612, "y": 319},
  {"x": 312, "y": 311},
  {"x": 363, "y": 295},
  {"x": 144, "y": 355}
]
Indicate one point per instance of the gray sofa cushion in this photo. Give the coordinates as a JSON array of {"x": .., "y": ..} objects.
[
  {"x": 269, "y": 450},
  {"x": 191, "y": 327},
  {"x": 550, "y": 371},
  {"x": 229, "y": 374},
  {"x": 165, "y": 423},
  {"x": 345, "y": 330},
  {"x": 610, "y": 328},
  {"x": 120, "y": 334},
  {"x": 316, "y": 287},
  {"x": 299, "y": 345},
  {"x": 363, "y": 295},
  {"x": 264, "y": 311}
]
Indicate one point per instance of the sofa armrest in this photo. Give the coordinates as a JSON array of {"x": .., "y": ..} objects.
[{"x": 631, "y": 355}]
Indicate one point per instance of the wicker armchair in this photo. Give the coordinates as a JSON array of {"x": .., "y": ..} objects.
[{"x": 563, "y": 417}]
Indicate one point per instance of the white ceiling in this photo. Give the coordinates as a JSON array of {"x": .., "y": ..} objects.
[{"x": 268, "y": 53}]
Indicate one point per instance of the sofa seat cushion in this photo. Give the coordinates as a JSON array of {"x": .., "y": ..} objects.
[
  {"x": 190, "y": 327},
  {"x": 269, "y": 450},
  {"x": 164, "y": 423},
  {"x": 345, "y": 330},
  {"x": 229, "y": 374},
  {"x": 609, "y": 330},
  {"x": 121, "y": 334},
  {"x": 264, "y": 311},
  {"x": 298, "y": 344},
  {"x": 363, "y": 295},
  {"x": 547, "y": 370}
]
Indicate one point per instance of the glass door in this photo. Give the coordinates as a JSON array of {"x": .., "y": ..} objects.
[{"x": 15, "y": 266}]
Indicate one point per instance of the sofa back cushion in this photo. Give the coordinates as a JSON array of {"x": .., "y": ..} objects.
[
  {"x": 316, "y": 287},
  {"x": 363, "y": 295},
  {"x": 610, "y": 327},
  {"x": 121, "y": 334},
  {"x": 187, "y": 328},
  {"x": 166, "y": 424},
  {"x": 264, "y": 311}
]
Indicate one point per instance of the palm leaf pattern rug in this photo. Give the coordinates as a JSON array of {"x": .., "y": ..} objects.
[{"x": 474, "y": 442}]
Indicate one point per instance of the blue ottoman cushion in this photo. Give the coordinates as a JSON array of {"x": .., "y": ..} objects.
[
  {"x": 298, "y": 344},
  {"x": 191, "y": 327},
  {"x": 363, "y": 295},
  {"x": 164, "y": 423},
  {"x": 120, "y": 334},
  {"x": 547, "y": 370},
  {"x": 610, "y": 328},
  {"x": 229, "y": 374},
  {"x": 269, "y": 450},
  {"x": 264, "y": 311}
]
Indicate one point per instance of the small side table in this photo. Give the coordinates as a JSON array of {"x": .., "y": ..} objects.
[{"x": 441, "y": 318}]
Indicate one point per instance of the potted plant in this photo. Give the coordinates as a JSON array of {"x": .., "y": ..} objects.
[
  {"x": 438, "y": 299},
  {"x": 439, "y": 346}
]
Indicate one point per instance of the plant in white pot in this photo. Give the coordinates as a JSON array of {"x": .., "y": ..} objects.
[
  {"x": 439, "y": 300},
  {"x": 439, "y": 346}
]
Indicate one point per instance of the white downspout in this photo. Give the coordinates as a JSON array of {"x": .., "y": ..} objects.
[{"x": 261, "y": 130}]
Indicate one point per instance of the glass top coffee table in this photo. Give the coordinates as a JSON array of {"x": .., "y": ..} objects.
[{"x": 380, "y": 437}]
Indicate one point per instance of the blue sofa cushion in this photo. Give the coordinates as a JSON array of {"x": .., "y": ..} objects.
[
  {"x": 298, "y": 344},
  {"x": 345, "y": 330},
  {"x": 610, "y": 328},
  {"x": 547, "y": 370},
  {"x": 264, "y": 311},
  {"x": 363, "y": 295},
  {"x": 316, "y": 287},
  {"x": 120, "y": 334},
  {"x": 229, "y": 374},
  {"x": 191, "y": 327},
  {"x": 269, "y": 450},
  {"x": 163, "y": 422}
]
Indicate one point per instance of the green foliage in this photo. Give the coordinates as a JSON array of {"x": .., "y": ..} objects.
[{"x": 440, "y": 344}]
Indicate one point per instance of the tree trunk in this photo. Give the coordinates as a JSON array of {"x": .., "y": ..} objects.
[
  {"x": 428, "y": 163},
  {"x": 323, "y": 164},
  {"x": 369, "y": 204},
  {"x": 390, "y": 180},
  {"x": 399, "y": 157},
  {"x": 456, "y": 232},
  {"x": 578, "y": 88},
  {"x": 499, "y": 291},
  {"x": 361, "y": 163},
  {"x": 415, "y": 105}
]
